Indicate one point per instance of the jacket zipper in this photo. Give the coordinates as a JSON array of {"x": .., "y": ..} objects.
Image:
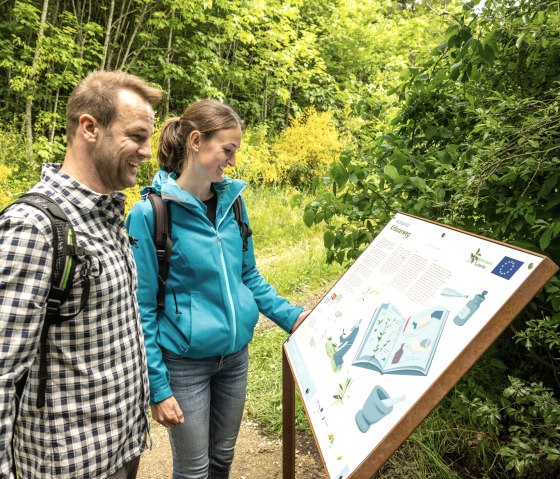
[
  {"x": 230, "y": 299},
  {"x": 228, "y": 288}
]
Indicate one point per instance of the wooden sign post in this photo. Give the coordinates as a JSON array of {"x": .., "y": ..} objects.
[{"x": 397, "y": 331}]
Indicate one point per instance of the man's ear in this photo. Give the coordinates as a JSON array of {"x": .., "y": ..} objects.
[{"x": 88, "y": 127}]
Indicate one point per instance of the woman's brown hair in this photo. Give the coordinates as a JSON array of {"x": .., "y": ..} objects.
[{"x": 206, "y": 116}]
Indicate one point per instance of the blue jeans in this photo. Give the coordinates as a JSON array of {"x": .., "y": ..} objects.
[{"x": 211, "y": 393}]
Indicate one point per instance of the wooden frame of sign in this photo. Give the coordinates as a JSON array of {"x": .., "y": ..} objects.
[{"x": 510, "y": 277}]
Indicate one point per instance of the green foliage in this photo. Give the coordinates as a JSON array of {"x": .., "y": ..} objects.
[
  {"x": 473, "y": 143},
  {"x": 270, "y": 59},
  {"x": 12, "y": 148},
  {"x": 14, "y": 178},
  {"x": 515, "y": 430},
  {"x": 365, "y": 45},
  {"x": 5, "y": 197},
  {"x": 533, "y": 416}
]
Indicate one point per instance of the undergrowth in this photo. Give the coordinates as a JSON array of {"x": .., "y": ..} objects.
[{"x": 472, "y": 433}]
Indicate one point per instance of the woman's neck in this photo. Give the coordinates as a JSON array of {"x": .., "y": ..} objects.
[{"x": 201, "y": 189}]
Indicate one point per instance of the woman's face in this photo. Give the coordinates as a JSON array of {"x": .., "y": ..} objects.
[{"x": 211, "y": 157}]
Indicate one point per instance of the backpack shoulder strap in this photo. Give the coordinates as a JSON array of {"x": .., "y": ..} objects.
[
  {"x": 244, "y": 227},
  {"x": 65, "y": 251},
  {"x": 162, "y": 241},
  {"x": 63, "y": 245}
]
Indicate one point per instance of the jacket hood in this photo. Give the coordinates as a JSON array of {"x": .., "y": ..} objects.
[
  {"x": 159, "y": 179},
  {"x": 165, "y": 185}
]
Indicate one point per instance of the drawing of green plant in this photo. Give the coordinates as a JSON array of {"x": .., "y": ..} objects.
[
  {"x": 475, "y": 256},
  {"x": 342, "y": 390},
  {"x": 381, "y": 328}
]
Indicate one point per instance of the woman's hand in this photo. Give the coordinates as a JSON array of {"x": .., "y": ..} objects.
[
  {"x": 168, "y": 413},
  {"x": 300, "y": 319}
]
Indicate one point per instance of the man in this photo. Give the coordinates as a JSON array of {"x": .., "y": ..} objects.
[{"x": 94, "y": 420}]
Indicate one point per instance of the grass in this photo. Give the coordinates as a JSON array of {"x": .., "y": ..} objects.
[
  {"x": 264, "y": 391},
  {"x": 289, "y": 255}
]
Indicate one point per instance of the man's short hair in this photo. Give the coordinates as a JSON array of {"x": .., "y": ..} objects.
[{"x": 97, "y": 95}]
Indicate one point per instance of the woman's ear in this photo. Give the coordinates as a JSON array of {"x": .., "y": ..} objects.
[{"x": 194, "y": 140}]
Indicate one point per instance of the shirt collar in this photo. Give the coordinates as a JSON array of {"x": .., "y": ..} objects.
[{"x": 77, "y": 193}]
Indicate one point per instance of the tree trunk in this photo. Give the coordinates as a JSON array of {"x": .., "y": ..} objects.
[
  {"x": 265, "y": 99},
  {"x": 108, "y": 35},
  {"x": 168, "y": 56},
  {"x": 53, "y": 119},
  {"x": 137, "y": 24},
  {"x": 32, "y": 78},
  {"x": 119, "y": 25}
]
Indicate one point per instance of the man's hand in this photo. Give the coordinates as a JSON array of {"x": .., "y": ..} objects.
[{"x": 168, "y": 413}]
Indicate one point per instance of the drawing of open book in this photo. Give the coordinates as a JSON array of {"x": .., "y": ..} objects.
[{"x": 395, "y": 344}]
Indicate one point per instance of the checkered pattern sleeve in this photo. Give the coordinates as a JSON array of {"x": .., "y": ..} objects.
[{"x": 25, "y": 262}]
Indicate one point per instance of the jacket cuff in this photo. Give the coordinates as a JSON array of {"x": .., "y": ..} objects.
[
  {"x": 158, "y": 396},
  {"x": 292, "y": 318}
]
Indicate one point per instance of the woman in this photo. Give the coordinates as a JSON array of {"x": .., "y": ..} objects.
[{"x": 197, "y": 343}]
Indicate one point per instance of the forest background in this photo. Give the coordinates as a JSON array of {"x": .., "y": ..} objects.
[{"x": 354, "y": 110}]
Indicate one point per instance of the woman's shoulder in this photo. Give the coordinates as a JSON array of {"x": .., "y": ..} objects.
[{"x": 142, "y": 207}]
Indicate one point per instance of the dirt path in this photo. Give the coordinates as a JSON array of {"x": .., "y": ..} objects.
[{"x": 256, "y": 456}]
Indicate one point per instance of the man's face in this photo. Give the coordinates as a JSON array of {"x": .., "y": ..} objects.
[{"x": 125, "y": 143}]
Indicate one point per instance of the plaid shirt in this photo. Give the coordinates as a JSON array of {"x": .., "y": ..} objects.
[{"x": 95, "y": 416}]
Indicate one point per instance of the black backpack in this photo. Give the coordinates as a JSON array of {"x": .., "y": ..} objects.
[
  {"x": 162, "y": 237},
  {"x": 65, "y": 259}
]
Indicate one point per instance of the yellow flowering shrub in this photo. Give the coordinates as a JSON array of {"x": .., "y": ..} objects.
[
  {"x": 132, "y": 197},
  {"x": 307, "y": 147},
  {"x": 255, "y": 160},
  {"x": 301, "y": 153}
]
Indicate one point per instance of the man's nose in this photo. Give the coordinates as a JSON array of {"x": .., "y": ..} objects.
[{"x": 145, "y": 150}]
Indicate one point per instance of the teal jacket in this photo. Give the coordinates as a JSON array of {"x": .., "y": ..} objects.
[{"x": 214, "y": 290}]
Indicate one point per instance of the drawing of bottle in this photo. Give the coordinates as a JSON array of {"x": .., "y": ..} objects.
[
  {"x": 453, "y": 293},
  {"x": 468, "y": 310},
  {"x": 398, "y": 355},
  {"x": 376, "y": 407}
]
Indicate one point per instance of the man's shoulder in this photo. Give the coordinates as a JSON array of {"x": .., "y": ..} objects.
[{"x": 25, "y": 214}]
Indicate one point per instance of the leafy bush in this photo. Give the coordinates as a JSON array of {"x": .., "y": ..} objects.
[
  {"x": 474, "y": 144},
  {"x": 5, "y": 197},
  {"x": 15, "y": 175}
]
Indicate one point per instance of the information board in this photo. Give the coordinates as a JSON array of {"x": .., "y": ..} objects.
[{"x": 398, "y": 330}]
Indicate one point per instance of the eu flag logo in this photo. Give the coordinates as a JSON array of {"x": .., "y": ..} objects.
[{"x": 507, "y": 267}]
